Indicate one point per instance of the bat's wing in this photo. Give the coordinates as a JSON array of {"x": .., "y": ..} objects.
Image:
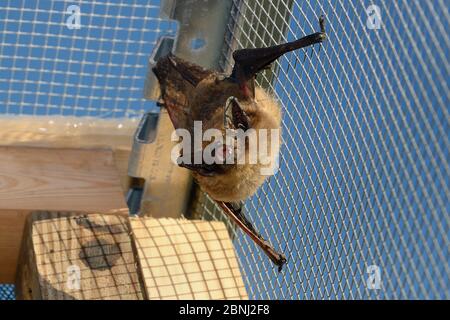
[
  {"x": 248, "y": 62},
  {"x": 177, "y": 78}
]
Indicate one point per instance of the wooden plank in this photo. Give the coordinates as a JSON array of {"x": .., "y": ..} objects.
[
  {"x": 67, "y": 132},
  {"x": 59, "y": 179},
  {"x": 77, "y": 256},
  {"x": 63, "y": 179},
  {"x": 121, "y": 157},
  {"x": 186, "y": 259},
  {"x": 11, "y": 229}
]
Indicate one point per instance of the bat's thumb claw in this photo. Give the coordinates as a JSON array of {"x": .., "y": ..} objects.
[
  {"x": 322, "y": 23},
  {"x": 322, "y": 37},
  {"x": 323, "y": 34}
]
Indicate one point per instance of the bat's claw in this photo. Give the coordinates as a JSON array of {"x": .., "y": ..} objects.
[
  {"x": 322, "y": 23},
  {"x": 281, "y": 261},
  {"x": 322, "y": 35}
]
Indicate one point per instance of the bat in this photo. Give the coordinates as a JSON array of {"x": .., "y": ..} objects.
[{"x": 192, "y": 94}]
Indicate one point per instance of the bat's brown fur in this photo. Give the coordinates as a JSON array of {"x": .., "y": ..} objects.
[
  {"x": 205, "y": 101},
  {"x": 191, "y": 93},
  {"x": 240, "y": 180}
]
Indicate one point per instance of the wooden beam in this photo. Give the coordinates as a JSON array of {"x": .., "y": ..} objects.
[
  {"x": 53, "y": 179},
  {"x": 77, "y": 256},
  {"x": 12, "y": 223},
  {"x": 67, "y": 132},
  {"x": 186, "y": 259},
  {"x": 121, "y": 157},
  {"x": 59, "y": 179}
]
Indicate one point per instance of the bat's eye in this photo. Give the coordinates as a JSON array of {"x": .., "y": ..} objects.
[{"x": 223, "y": 154}]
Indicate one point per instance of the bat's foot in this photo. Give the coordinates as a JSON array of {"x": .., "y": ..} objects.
[
  {"x": 279, "y": 259},
  {"x": 321, "y": 36}
]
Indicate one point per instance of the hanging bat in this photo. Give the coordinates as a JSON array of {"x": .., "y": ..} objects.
[{"x": 228, "y": 102}]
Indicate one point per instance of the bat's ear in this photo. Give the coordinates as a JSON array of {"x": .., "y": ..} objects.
[
  {"x": 234, "y": 116},
  {"x": 248, "y": 62}
]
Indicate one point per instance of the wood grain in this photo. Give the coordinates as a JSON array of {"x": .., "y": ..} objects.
[
  {"x": 186, "y": 259},
  {"x": 11, "y": 230},
  {"x": 53, "y": 179},
  {"x": 121, "y": 158},
  {"x": 77, "y": 256},
  {"x": 59, "y": 179},
  {"x": 67, "y": 132}
]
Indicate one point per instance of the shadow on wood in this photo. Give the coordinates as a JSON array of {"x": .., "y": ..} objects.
[
  {"x": 54, "y": 179},
  {"x": 77, "y": 256}
]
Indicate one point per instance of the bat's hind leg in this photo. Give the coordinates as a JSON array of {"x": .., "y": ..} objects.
[{"x": 237, "y": 208}]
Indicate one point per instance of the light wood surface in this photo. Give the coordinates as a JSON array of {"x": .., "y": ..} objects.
[
  {"x": 11, "y": 229},
  {"x": 121, "y": 157},
  {"x": 77, "y": 256},
  {"x": 187, "y": 259},
  {"x": 54, "y": 179},
  {"x": 68, "y": 255},
  {"x": 59, "y": 179},
  {"x": 67, "y": 132}
]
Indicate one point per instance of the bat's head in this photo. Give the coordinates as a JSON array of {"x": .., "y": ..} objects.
[{"x": 246, "y": 152}]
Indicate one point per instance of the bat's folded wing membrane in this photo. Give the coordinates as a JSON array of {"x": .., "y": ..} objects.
[{"x": 177, "y": 78}]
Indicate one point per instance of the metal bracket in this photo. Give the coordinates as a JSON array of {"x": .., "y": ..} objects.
[{"x": 160, "y": 188}]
